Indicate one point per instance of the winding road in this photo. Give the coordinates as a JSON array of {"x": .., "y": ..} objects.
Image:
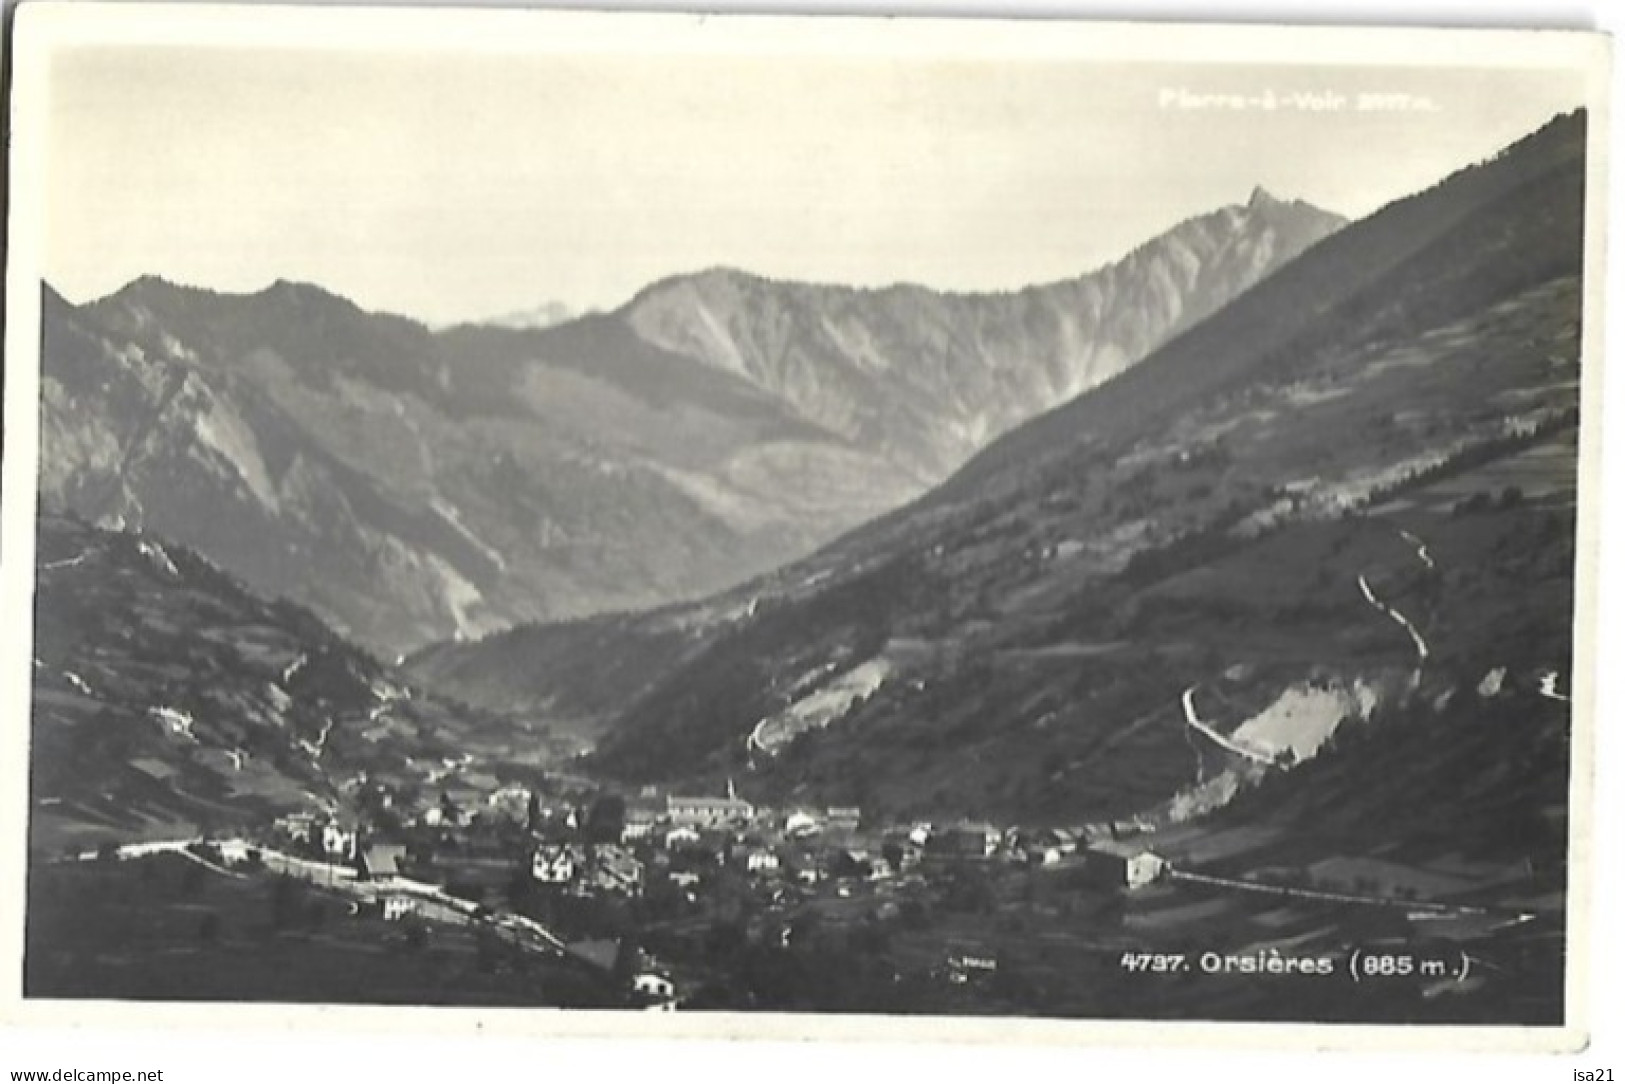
[
  {"x": 340, "y": 878},
  {"x": 1322, "y": 896},
  {"x": 181, "y": 847},
  {"x": 1422, "y": 553},
  {"x": 1188, "y": 702},
  {"x": 319, "y": 746},
  {"x": 1403, "y": 621}
]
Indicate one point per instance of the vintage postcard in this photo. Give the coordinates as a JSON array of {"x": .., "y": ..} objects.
[{"x": 801, "y": 527}]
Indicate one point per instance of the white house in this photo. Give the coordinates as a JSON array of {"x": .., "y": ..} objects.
[
  {"x": 761, "y": 860},
  {"x": 553, "y": 865},
  {"x": 800, "y": 823},
  {"x": 398, "y": 907},
  {"x": 338, "y": 842},
  {"x": 681, "y": 837},
  {"x": 653, "y": 985},
  {"x": 298, "y": 827},
  {"x": 234, "y": 851},
  {"x": 1124, "y": 865},
  {"x": 639, "y": 824}
]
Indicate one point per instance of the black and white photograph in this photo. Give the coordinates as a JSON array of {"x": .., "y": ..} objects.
[{"x": 924, "y": 520}]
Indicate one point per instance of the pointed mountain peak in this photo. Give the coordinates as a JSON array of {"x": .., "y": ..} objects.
[
  {"x": 1264, "y": 207},
  {"x": 146, "y": 291},
  {"x": 1261, "y": 197},
  {"x": 145, "y": 284}
]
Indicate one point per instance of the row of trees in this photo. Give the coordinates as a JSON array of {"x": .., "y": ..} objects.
[{"x": 1476, "y": 455}]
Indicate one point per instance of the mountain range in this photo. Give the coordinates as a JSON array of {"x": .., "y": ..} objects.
[{"x": 412, "y": 486}]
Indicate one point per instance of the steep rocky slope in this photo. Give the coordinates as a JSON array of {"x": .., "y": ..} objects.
[
  {"x": 167, "y": 698},
  {"x": 404, "y": 489},
  {"x": 928, "y": 377}
]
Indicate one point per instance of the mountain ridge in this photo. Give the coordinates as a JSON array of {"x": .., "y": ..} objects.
[
  {"x": 1015, "y": 353},
  {"x": 1259, "y": 194},
  {"x": 414, "y": 484}
]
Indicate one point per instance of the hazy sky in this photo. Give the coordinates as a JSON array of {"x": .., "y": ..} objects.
[{"x": 448, "y": 187}]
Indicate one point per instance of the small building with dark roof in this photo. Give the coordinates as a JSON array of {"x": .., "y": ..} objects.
[
  {"x": 380, "y": 860},
  {"x": 1122, "y": 864}
]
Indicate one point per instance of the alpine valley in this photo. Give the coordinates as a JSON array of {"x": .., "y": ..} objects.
[{"x": 1221, "y": 597}]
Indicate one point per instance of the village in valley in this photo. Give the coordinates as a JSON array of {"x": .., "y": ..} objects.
[
  {"x": 1188, "y": 636},
  {"x": 672, "y": 901},
  {"x": 647, "y": 887}
]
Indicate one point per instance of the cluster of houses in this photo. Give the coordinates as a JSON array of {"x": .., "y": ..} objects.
[
  {"x": 481, "y": 851},
  {"x": 561, "y": 850},
  {"x": 320, "y": 835},
  {"x": 810, "y": 845},
  {"x": 386, "y": 874},
  {"x": 1108, "y": 860},
  {"x": 447, "y": 866},
  {"x": 588, "y": 869}
]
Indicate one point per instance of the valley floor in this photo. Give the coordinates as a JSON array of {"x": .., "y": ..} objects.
[{"x": 1235, "y": 922}]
